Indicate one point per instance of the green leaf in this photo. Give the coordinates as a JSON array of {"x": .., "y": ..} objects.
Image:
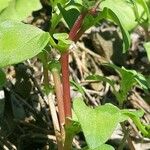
[
  {"x": 69, "y": 16},
  {"x": 73, "y": 128},
  {"x": 145, "y": 7},
  {"x": 2, "y": 78},
  {"x": 61, "y": 36},
  {"x": 4, "y": 4},
  {"x": 124, "y": 9},
  {"x": 19, "y": 42},
  {"x": 54, "y": 65},
  {"x": 128, "y": 79},
  {"x": 19, "y": 10},
  {"x": 111, "y": 15},
  {"x": 147, "y": 48},
  {"x": 135, "y": 116},
  {"x": 63, "y": 41},
  {"x": 84, "y": 3},
  {"x": 54, "y": 21},
  {"x": 55, "y": 2},
  {"x": 102, "y": 147},
  {"x": 103, "y": 121}
]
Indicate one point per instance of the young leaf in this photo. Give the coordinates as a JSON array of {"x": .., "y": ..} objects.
[
  {"x": 19, "y": 9},
  {"x": 63, "y": 41},
  {"x": 19, "y": 42},
  {"x": 103, "y": 121},
  {"x": 4, "y": 4}
]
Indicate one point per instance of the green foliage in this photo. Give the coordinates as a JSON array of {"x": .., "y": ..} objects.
[
  {"x": 54, "y": 65},
  {"x": 55, "y": 2},
  {"x": 63, "y": 41},
  {"x": 92, "y": 20},
  {"x": 128, "y": 79},
  {"x": 98, "y": 130},
  {"x": 102, "y": 147},
  {"x": 135, "y": 117},
  {"x": 19, "y": 9},
  {"x": 72, "y": 129},
  {"x": 128, "y": 10},
  {"x": 69, "y": 15},
  {"x": 125, "y": 13},
  {"x": 19, "y": 42},
  {"x": 4, "y": 4},
  {"x": 96, "y": 125}
]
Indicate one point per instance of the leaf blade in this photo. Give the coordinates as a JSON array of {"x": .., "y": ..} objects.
[{"x": 27, "y": 42}]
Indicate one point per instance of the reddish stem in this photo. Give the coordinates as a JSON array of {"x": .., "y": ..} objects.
[
  {"x": 78, "y": 35},
  {"x": 65, "y": 67},
  {"x": 77, "y": 25},
  {"x": 66, "y": 84},
  {"x": 74, "y": 35}
]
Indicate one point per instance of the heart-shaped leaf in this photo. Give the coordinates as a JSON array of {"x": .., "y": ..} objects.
[
  {"x": 97, "y": 124},
  {"x": 19, "y": 42}
]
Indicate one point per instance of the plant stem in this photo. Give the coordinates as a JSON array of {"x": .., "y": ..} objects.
[
  {"x": 50, "y": 101},
  {"x": 65, "y": 67},
  {"x": 66, "y": 84},
  {"x": 59, "y": 95},
  {"x": 74, "y": 35},
  {"x": 79, "y": 34},
  {"x": 68, "y": 141},
  {"x": 77, "y": 26}
]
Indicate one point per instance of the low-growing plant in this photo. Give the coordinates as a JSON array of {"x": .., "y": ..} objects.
[{"x": 19, "y": 41}]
